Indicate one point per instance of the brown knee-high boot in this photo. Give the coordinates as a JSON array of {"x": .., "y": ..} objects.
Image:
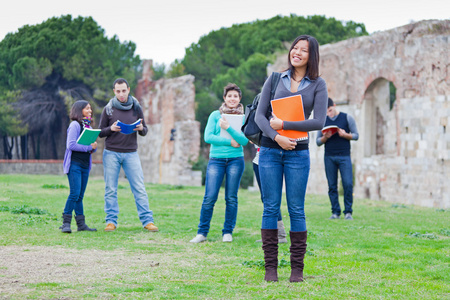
[
  {"x": 270, "y": 247},
  {"x": 298, "y": 250}
]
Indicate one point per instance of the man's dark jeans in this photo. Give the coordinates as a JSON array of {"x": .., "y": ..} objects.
[{"x": 344, "y": 165}]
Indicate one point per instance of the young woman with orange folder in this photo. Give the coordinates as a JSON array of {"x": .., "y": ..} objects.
[{"x": 281, "y": 156}]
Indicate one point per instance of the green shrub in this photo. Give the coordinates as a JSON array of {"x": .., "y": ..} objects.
[
  {"x": 25, "y": 209},
  {"x": 201, "y": 165},
  {"x": 54, "y": 186},
  {"x": 247, "y": 177}
]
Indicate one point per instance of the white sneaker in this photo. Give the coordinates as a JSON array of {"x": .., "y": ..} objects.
[
  {"x": 227, "y": 237},
  {"x": 198, "y": 239}
]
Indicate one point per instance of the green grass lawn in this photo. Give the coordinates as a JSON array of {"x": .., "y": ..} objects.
[{"x": 389, "y": 251}]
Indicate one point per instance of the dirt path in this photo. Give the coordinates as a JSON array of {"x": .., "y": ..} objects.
[{"x": 22, "y": 267}]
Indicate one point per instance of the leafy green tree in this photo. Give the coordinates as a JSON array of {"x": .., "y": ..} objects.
[
  {"x": 227, "y": 48},
  {"x": 29, "y": 72},
  {"x": 159, "y": 71},
  {"x": 53, "y": 64},
  {"x": 10, "y": 124},
  {"x": 248, "y": 76},
  {"x": 205, "y": 104},
  {"x": 176, "y": 69}
]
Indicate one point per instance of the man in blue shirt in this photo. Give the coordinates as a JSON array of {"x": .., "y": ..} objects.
[{"x": 337, "y": 157}]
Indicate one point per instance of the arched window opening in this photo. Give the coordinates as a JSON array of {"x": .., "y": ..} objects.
[
  {"x": 392, "y": 93},
  {"x": 379, "y": 99}
]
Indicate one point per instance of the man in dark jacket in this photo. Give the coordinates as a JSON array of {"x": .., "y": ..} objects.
[{"x": 121, "y": 152}]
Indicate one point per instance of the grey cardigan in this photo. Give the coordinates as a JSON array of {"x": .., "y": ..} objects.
[{"x": 315, "y": 98}]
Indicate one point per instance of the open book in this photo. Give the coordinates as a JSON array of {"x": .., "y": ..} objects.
[
  {"x": 332, "y": 128},
  {"x": 290, "y": 109},
  {"x": 88, "y": 136},
  {"x": 128, "y": 128},
  {"x": 235, "y": 122}
]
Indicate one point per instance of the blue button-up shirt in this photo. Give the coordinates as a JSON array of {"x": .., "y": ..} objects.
[{"x": 286, "y": 80}]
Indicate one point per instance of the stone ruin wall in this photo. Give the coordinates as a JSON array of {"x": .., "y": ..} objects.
[
  {"x": 172, "y": 143},
  {"x": 403, "y": 153}
]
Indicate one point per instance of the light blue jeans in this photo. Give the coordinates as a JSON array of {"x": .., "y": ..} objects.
[
  {"x": 217, "y": 168},
  {"x": 293, "y": 165},
  {"x": 131, "y": 164}
]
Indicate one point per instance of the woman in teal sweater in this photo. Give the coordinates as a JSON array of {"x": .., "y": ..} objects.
[{"x": 226, "y": 158}]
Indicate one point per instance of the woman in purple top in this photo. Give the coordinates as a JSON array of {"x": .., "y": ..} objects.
[{"x": 77, "y": 165}]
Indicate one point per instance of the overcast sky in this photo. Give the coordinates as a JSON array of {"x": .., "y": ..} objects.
[{"x": 163, "y": 29}]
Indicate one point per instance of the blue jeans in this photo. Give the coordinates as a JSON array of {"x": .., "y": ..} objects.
[
  {"x": 293, "y": 165},
  {"x": 258, "y": 180},
  {"x": 78, "y": 178},
  {"x": 217, "y": 168},
  {"x": 131, "y": 164},
  {"x": 344, "y": 165}
]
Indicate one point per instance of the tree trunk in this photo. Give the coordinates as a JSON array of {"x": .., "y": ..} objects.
[
  {"x": 33, "y": 146},
  {"x": 7, "y": 148},
  {"x": 38, "y": 148},
  {"x": 24, "y": 146},
  {"x": 54, "y": 150},
  {"x": 16, "y": 141}
]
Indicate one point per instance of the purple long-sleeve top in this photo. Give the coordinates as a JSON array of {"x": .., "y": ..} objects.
[{"x": 73, "y": 132}]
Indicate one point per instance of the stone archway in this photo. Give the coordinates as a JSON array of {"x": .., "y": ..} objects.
[
  {"x": 173, "y": 139},
  {"x": 377, "y": 108}
]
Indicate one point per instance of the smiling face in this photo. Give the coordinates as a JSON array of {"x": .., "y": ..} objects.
[
  {"x": 121, "y": 90},
  {"x": 87, "y": 111},
  {"x": 299, "y": 54},
  {"x": 232, "y": 99}
]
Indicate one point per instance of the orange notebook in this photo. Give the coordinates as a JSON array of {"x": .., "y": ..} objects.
[{"x": 290, "y": 109}]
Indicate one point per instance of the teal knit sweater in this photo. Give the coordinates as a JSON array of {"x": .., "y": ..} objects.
[{"x": 220, "y": 146}]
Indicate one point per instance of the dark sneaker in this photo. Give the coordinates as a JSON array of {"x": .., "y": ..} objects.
[
  {"x": 334, "y": 216},
  {"x": 348, "y": 216}
]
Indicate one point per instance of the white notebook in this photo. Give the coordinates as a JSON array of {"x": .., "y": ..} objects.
[{"x": 235, "y": 121}]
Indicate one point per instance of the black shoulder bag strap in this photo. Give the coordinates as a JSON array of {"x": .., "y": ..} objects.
[{"x": 273, "y": 87}]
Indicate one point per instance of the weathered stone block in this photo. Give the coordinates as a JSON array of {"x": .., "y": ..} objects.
[{"x": 172, "y": 144}]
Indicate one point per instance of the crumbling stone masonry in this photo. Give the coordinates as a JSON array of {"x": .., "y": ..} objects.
[
  {"x": 172, "y": 144},
  {"x": 403, "y": 153}
]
